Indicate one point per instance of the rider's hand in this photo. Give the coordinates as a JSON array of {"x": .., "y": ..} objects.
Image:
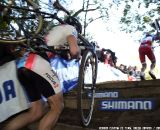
[{"x": 76, "y": 56}]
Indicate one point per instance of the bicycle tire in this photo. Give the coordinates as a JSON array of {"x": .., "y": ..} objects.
[
  {"x": 86, "y": 91},
  {"x": 10, "y": 32}
]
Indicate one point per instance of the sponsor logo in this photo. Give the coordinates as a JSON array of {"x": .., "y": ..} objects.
[
  {"x": 56, "y": 85},
  {"x": 51, "y": 78},
  {"x": 108, "y": 94},
  {"x": 134, "y": 104},
  {"x": 7, "y": 91}
]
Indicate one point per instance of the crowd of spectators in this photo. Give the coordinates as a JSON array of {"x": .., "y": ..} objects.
[
  {"x": 109, "y": 57},
  {"x": 132, "y": 72}
]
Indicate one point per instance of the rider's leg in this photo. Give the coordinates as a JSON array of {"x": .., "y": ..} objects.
[
  {"x": 144, "y": 66},
  {"x": 48, "y": 85},
  {"x": 151, "y": 73},
  {"x": 28, "y": 79},
  {"x": 142, "y": 53},
  {"x": 35, "y": 85},
  {"x": 152, "y": 58},
  {"x": 33, "y": 114},
  {"x": 142, "y": 74},
  {"x": 56, "y": 106},
  {"x": 153, "y": 64}
]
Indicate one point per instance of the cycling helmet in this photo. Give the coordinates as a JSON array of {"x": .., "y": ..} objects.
[{"x": 74, "y": 22}]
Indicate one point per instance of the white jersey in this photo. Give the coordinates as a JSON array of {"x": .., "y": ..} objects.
[
  {"x": 57, "y": 36},
  {"x": 147, "y": 40},
  {"x": 150, "y": 38}
]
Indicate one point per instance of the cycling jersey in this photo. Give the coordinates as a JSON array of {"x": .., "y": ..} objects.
[
  {"x": 148, "y": 40},
  {"x": 58, "y": 35},
  {"x": 145, "y": 48}
]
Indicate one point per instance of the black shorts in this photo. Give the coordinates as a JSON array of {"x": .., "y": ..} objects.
[{"x": 34, "y": 84}]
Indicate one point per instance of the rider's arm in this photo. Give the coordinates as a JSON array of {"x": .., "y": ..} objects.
[
  {"x": 71, "y": 37},
  {"x": 73, "y": 46}
]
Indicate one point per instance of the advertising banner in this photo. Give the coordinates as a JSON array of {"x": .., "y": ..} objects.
[{"x": 12, "y": 95}]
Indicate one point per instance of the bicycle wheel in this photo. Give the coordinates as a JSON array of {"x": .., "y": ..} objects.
[
  {"x": 19, "y": 22},
  {"x": 86, "y": 86}
]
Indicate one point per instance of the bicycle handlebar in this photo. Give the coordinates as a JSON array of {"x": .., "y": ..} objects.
[
  {"x": 157, "y": 25},
  {"x": 58, "y": 6}
]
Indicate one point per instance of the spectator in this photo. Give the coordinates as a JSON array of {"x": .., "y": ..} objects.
[
  {"x": 108, "y": 57},
  {"x": 123, "y": 68},
  {"x": 131, "y": 76}
]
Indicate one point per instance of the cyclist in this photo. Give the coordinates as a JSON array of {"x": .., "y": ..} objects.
[
  {"x": 146, "y": 49},
  {"x": 38, "y": 78},
  {"x": 60, "y": 39}
]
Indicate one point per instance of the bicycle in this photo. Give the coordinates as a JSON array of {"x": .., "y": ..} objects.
[
  {"x": 19, "y": 28},
  {"x": 157, "y": 26}
]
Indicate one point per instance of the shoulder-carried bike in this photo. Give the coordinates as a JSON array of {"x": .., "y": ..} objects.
[{"x": 21, "y": 23}]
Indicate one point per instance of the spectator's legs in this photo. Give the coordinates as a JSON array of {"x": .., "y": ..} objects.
[
  {"x": 56, "y": 106},
  {"x": 33, "y": 114}
]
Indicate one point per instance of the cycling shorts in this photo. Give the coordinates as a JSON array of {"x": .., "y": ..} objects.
[
  {"x": 146, "y": 50},
  {"x": 37, "y": 77}
]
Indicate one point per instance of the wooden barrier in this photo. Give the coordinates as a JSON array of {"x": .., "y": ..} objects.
[
  {"x": 121, "y": 120},
  {"x": 127, "y": 90}
]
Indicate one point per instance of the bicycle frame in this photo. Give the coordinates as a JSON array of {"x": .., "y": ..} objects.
[
  {"x": 88, "y": 45},
  {"x": 156, "y": 22}
]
